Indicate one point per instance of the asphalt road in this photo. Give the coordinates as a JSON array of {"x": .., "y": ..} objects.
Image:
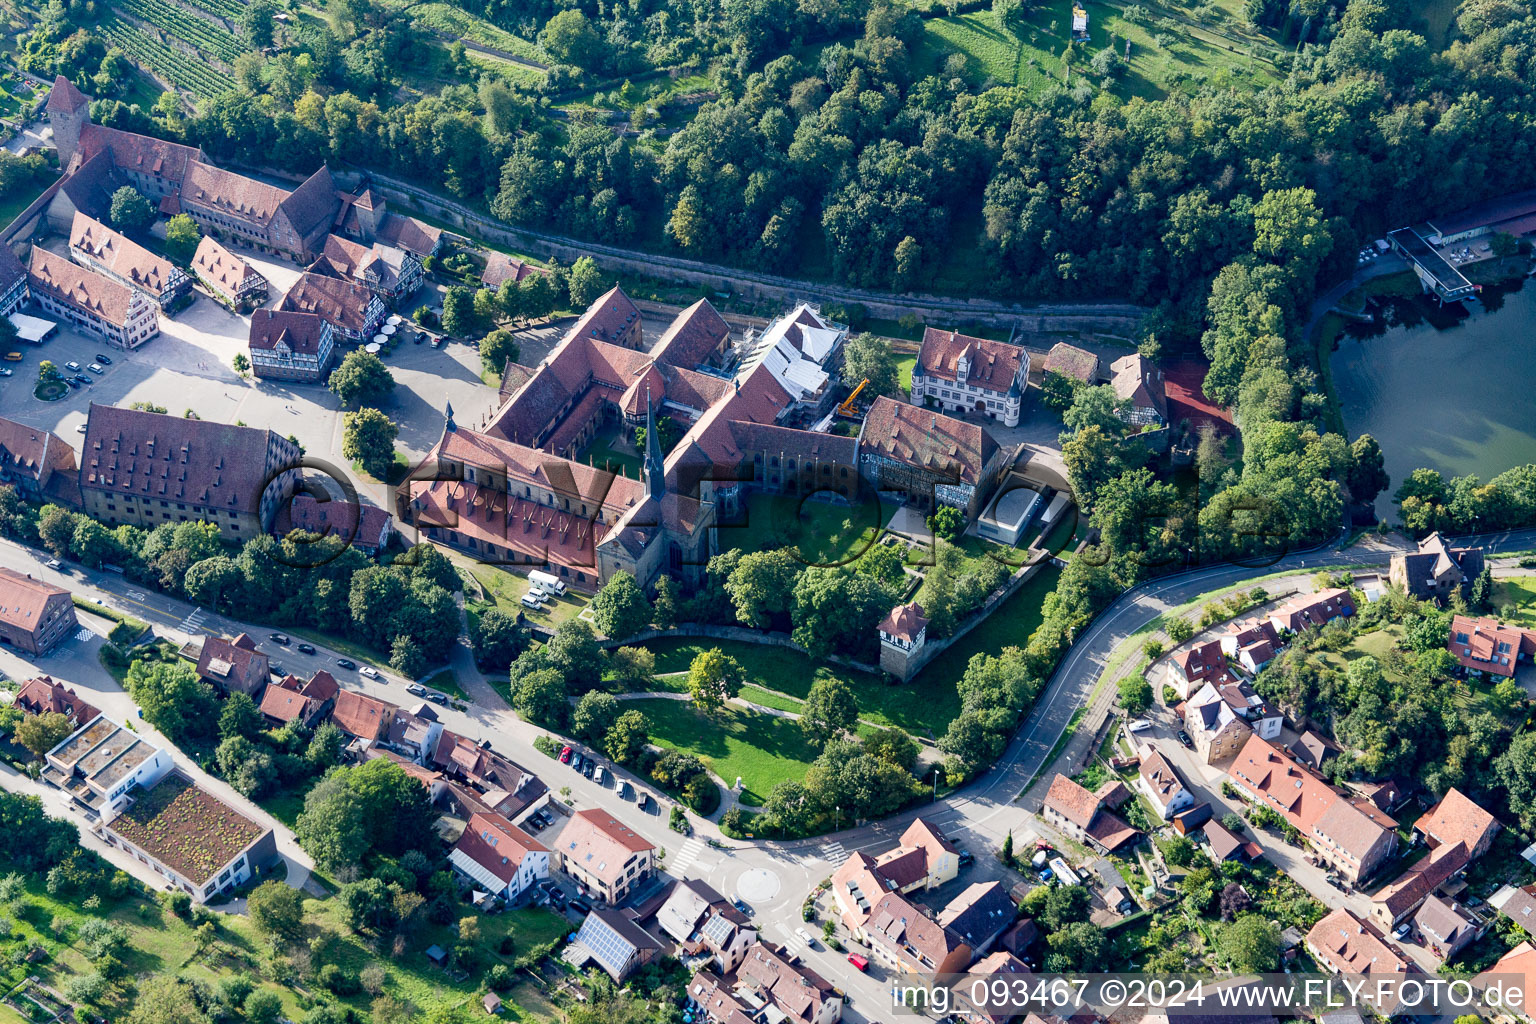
[{"x": 773, "y": 877}]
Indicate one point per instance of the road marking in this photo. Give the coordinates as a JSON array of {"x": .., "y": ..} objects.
[
  {"x": 84, "y": 634},
  {"x": 136, "y": 595},
  {"x": 687, "y": 854},
  {"x": 834, "y": 852},
  {"x": 194, "y": 621}
]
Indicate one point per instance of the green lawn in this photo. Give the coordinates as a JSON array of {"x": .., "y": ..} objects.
[
  {"x": 1520, "y": 593},
  {"x": 904, "y": 367},
  {"x": 1029, "y": 54},
  {"x": 922, "y": 707},
  {"x": 1008, "y": 626},
  {"x": 13, "y": 203},
  {"x": 602, "y": 453},
  {"x": 504, "y": 589},
  {"x": 447, "y": 682},
  {"x": 821, "y": 532},
  {"x": 761, "y": 748}
]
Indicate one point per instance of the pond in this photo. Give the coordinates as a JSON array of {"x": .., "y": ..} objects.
[{"x": 1444, "y": 388}]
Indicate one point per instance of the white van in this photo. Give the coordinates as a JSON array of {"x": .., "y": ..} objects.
[
  {"x": 599, "y": 777},
  {"x": 546, "y": 582},
  {"x": 533, "y": 599}
]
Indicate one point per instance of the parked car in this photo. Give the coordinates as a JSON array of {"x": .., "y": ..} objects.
[
  {"x": 276, "y": 669},
  {"x": 72, "y": 382},
  {"x": 104, "y": 360},
  {"x": 96, "y": 368},
  {"x": 1138, "y": 725},
  {"x": 581, "y": 906},
  {"x": 967, "y": 858},
  {"x": 1402, "y": 930},
  {"x": 280, "y": 639},
  {"x": 1184, "y": 739},
  {"x": 437, "y": 698},
  {"x": 576, "y": 760},
  {"x": 72, "y": 365},
  {"x": 6, "y": 371},
  {"x": 54, "y": 563},
  {"x": 565, "y": 755},
  {"x": 600, "y": 776},
  {"x": 306, "y": 648},
  {"x": 589, "y": 767},
  {"x": 645, "y": 802},
  {"x": 805, "y": 936},
  {"x": 346, "y": 663},
  {"x": 369, "y": 671},
  {"x": 626, "y": 791},
  {"x": 417, "y": 690},
  {"x": 859, "y": 963},
  {"x": 742, "y": 906}
]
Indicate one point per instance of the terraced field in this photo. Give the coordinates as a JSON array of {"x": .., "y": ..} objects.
[
  {"x": 179, "y": 22},
  {"x": 171, "y": 64}
]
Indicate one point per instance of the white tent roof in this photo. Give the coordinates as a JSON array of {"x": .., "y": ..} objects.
[
  {"x": 31, "y": 328},
  {"x": 819, "y": 341}
]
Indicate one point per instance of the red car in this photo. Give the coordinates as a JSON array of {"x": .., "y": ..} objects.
[
  {"x": 565, "y": 756},
  {"x": 858, "y": 961}
]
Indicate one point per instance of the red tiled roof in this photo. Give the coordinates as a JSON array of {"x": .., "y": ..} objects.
[
  {"x": 1457, "y": 819},
  {"x": 32, "y": 452},
  {"x": 1071, "y": 361},
  {"x": 1488, "y": 645},
  {"x": 217, "y": 264},
  {"x": 600, "y": 844},
  {"x": 1305, "y": 610},
  {"x": 365, "y": 717},
  {"x": 300, "y": 332},
  {"x": 65, "y": 97},
  {"x": 122, "y": 256},
  {"x": 344, "y": 303},
  {"x": 500, "y": 268},
  {"x": 1071, "y": 801},
  {"x": 692, "y": 336},
  {"x": 23, "y": 600},
  {"x": 42, "y": 696},
  {"x": 153, "y": 455},
  {"x": 284, "y": 702},
  {"x": 77, "y": 286},
  {"x": 1202, "y": 661},
  {"x": 232, "y": 195},
  {"x": 361, "y": 525},
  {"x": 497, "y": 845},
  {"x": 233, "y": 665},
  {"x": 152, "y": 157},
  {"x": 993, "y": 364},
  {"x": 905, "y": 621},
  {"x": 920, "y": 437},
  {"x": 1304, "y": 799},
  {"x": 1348, "y": 945}
]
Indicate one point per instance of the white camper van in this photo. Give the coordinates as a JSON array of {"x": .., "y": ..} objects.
[{"x": 546, "y": 582}]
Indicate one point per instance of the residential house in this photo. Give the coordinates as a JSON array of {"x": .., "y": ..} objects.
[
  {"x": 1343, "y": 944},
  {"x": 43, "y": 696},
  {"x": 1081, "y": 815},
  {"x": 500, "y": 268},
  {"x": 291, "y": 346},
  {"x": 922, "y": 860},
  {"x": 231, "y": 279},
  {"x": 1075, "y": 363},
  {"x": 145, "y": 469},
  {"x": 352, "y": 309},
  {"x": 198, "y": 842},
  {"x": 413, "y": 736},
  {"x": 1517, "y": 904},
  {"x": 790, "y": 993},
  {"x": 906, "y": 939},
  {"x": 234, "y": 666},
  {"x": 1446, "y": 926},
  {"x": 384, "y": 269},
  {"x": 38, "y": 463},
  {"x": 499, "y": 857},
  {"x": 928, "y": 458},
  {"x": 365, "y": 527},
  {"x": 1488, "y": 645},
  {"x": 606, "y": 857},
  {"x": 1139, "y": 385},
  {"x": 902, "y": 635},
  {"x": 1515, "y": 970},
  {"x": 705, "y": 925},
  {"x": 1312, "y": 749},
  {"x": 13, "y": 281},
  {"x": 613, "y": 941},
  {"x": 958, "y": 373},
  {"x": 1223, "y": 845},
  {"x": 484, "y": 780},
  {"x": 362, "y": 717},
  {"x": 432, "y": 781},
  {"x": 92, "y": 244},
  {"x": 1456, "y": 819},
  {"x": 1347, "y": 836},
  {"x": 1201, "y": 663},
  {"x": 1304, "y": 611},
  {"x": 119, "y": 315},
  {"x": 34, "y": 616},
  {"x": 291, "y": 700},
  {"x": 712, "y": 1001},
  {"x": 103, "y": 766},
  {"x": 967, "y": 1002},
  {"x": 1396, "y": 900},
  {"x": 1252, "y": 643},
  {"x": 1160, "y": 782},
  {"x": 1436, "y": 571},
  {"x": 979, "y": 915},
  {"x": 1220, "y": 715}
]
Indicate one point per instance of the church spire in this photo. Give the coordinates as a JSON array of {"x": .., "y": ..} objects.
[
  {"x": 448, "y": 415},
  {"x": 655, "y": 471}
]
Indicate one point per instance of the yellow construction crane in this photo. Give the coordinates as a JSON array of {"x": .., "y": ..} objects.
[{"x": 847, "y": 409}]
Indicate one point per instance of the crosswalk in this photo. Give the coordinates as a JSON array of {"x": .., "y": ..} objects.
[
  {"x": 687, "y": 854},
  {"x": 194, "y": 621},
  {"x": 834, "y": 852}
]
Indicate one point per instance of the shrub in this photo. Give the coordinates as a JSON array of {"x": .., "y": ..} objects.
[{"x": 499, "y": 977}]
